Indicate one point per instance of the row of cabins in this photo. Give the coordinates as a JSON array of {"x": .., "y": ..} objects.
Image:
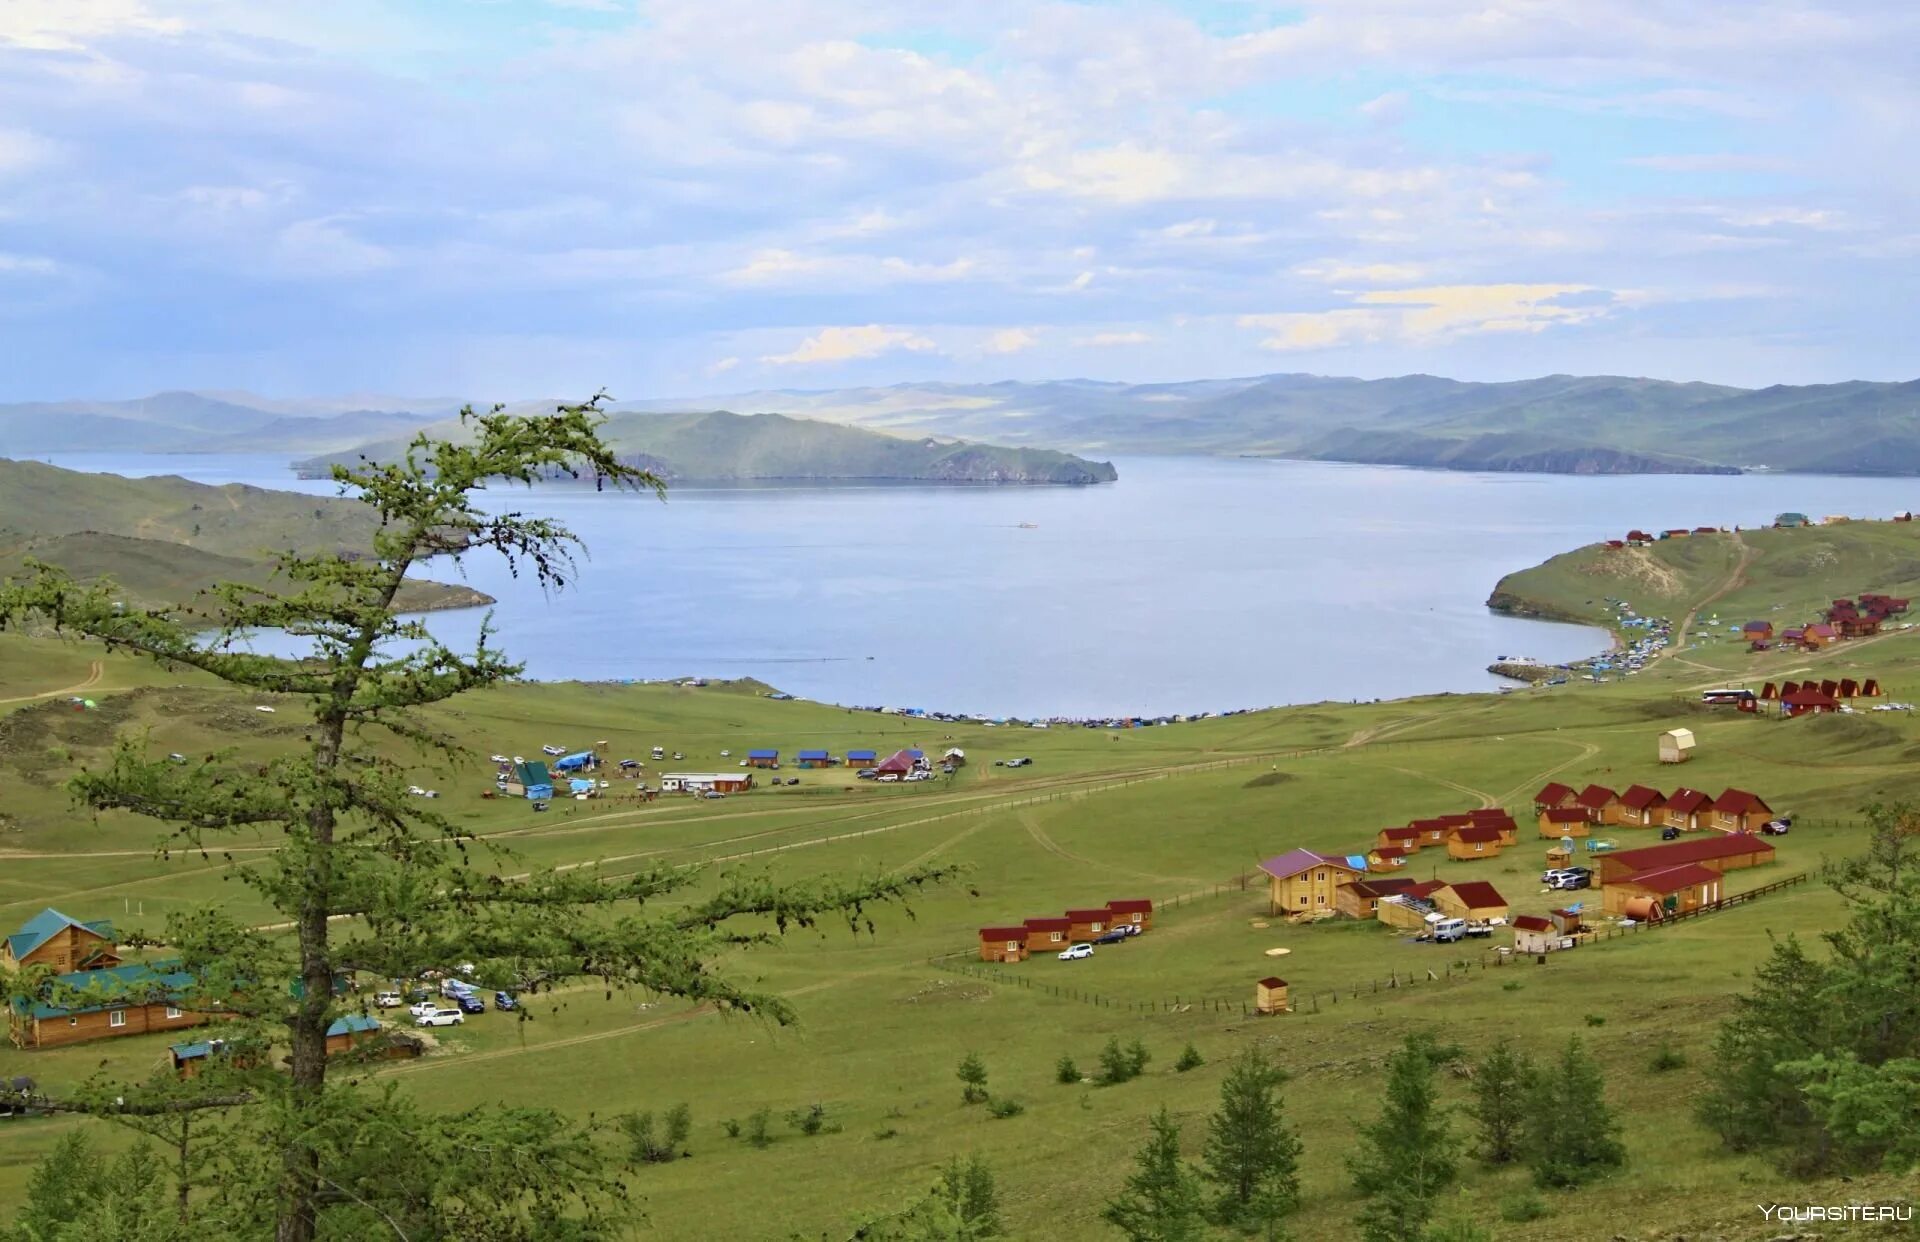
[
  {"x": 354, "y": 1030},
  {"x": 1307, "y": 881},
  {"x": 133, "y": 997},
  {"x": 1015, "y": 943},
  {"x": 1475, "y": 834},
  {"x": 1804, "y": 698},
  {"x": 1566, "y": 812},
  {"x": 858, "y": 757}
]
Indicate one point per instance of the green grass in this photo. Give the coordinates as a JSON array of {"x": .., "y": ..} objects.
[{"x": 1171, "y": 813}]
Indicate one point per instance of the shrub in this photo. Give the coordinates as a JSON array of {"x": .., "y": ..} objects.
[
  {"x": 732, "y": 1126},
  {"x": 1666, "y": 1058},
  {"x": 760, "y": 1126},
  {"x": 1522, "y": 1206},
  {"x": 646, "y": 1147},
  {"x": 1512, "y": 985},
  {"x": 1137, "y": 1058},
  {"x": 973, "y": 1077},
  {"x": 1065, "y": 1071},
  {"x": 1190, "y": 1059},
  {"x": 1596, "y": 1019},
  {"x": 1005, "y": 1107},
  {"x": 884, "y": 1133},
  {"x": 810, "y": 1120}
]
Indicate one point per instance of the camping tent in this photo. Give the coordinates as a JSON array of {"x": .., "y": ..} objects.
[{"x": 580, "y": 761}]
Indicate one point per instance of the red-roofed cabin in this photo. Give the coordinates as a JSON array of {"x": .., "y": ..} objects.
[
  {"x": 1687, "y": 810},
  {"x": 1555, "y": 794},
  {"x": 1858, "y": 627},
  {"x": 1003, "y": 944},
  {"x": 1361, "y": 899},
  {"x": 1406, "y": 838},
  {"x": 1387, "y": 857},
  {"x": 1468, "y": 844},
  {"x": 1614, "y": 545},
  {"x": 1830, "y": 688},
  {"x": 1135, "y": 910},
  {"x": 1849, "y": 688},
  {"x": 1047, "y": 935},
  {"x": 1870, "y": 689},
  {"x": 1564, "y": 821},
  {"x": 1640, "y": 806},
  {"x": 1432, "y": 831},
  {"x": 1769, "y": 691},
  {"x": 1639, "y": 536},
  {"x": 1086, "y": 924},
  {"x": 1533, "y": 934},
  {"x": 1807, "y": 700},
  {"x": 1602, "y": 804},
  {"x": 1471, "y": 899},
  {"x": 1736, "y": 810},
  {"x": 1509, "y": 831},
  {"x": 1668, "y": 890},
  {"x": 1816, "y": 636},
  {"x": 1758, "y": 631},
  {"x": 1718, "y": 852}
]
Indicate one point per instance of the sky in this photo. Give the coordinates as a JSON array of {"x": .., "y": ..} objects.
[{"x": 502, "y": 199}]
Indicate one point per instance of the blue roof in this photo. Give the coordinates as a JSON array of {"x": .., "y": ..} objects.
[
  {"x": 47, "y": 924},
  {"x": 579, "y": 759},
  {"x": 763, "y": 754},
  {"x": 192, "y": 1052},
  {"x": 135, "y": 983},
  {"x": 860, "y": 754},
  {"x": 353, "y": 1024},
  {"x": 815, "y": 754},
  {"x": 916, "y": 754}
]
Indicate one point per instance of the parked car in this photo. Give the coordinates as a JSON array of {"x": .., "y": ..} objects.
[
  {"x": 1574, "y": 877},
  {"x": 539, "y": 806},
  {"x": 554, "y": 750},
  {"x": 1113, "y": 937},
  {"x": 469, "y": 1003},
  {"x": 726, "y": 754},
  {"x": 387, "y": 1000},
  {"x": 713, "y": 793},
  {"x": 421, "y": 1008},
  {"x": 176, "y": 757},
  {"x": 505, "y": 1002},
  {"x": 867, "y": 774},
  {"x": 1073, "y": 953},
  {"x": 498, "y": 758},
  {"x": 454, "y": 987},
  {"x": 628, "y": 765},
  {"x": 440, "y": 1017},
  {"x": 1669, "y": 833},
  {"x": 1552, "y": 875},
  {"x": 887, "y": 777},
  {"x": 1777, "y": 827}
]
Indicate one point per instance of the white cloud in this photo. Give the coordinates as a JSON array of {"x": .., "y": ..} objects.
[
  {"x": 1202, "y": 227},
  {"x": 26, "y": 265},
  {"x": 844, "y": 344},
  {"x": 323, "y": 247},
  {"x": 723, "y": 365},
  {"x": 1113, "y": 338},
  {"x": 21, "y": 149},
  {"x": 1387, "y": 109},
  {"x": 1011, "y": 340},
  {"x": 1710, "y": 162},
  {"x": 1335, "y": 272},
  {"x": 69, "y": 25},
  {"x": 785, "y": 267},
  {"x": 1437, "y": 312}
]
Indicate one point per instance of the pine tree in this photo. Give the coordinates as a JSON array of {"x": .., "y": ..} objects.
[
  {"x": 973, "y": 1076},
  {"x": 1161, "y": 1201},
  {"x": 967, "y": 1188},
  {"x": 1405, "y": 1158},
  {"x": 1502, "y": 1082},
  {"x": 1572, "y": 1136},
  {"x": 367, "y": 879},
  {"x": 1252, "y": 1155}
]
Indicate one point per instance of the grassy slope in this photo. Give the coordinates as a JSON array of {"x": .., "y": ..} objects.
[
  {"x": 719, "y": 446},
  {"x": 1160, "y": 812},
  {"x": 165, "y": 538}
]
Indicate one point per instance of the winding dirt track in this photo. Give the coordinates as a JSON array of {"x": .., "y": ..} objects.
[{"x": 95, "y": 671}]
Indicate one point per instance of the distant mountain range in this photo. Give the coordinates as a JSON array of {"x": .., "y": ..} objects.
[
  {"x": 164, "y": 539},
  {"x": 717, "y": 446},
  {"x": 1557, "y": 423}
]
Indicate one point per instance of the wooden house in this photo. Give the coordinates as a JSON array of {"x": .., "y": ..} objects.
[
  {"x": 1849, "y": 688},
  {"x": 1819, "y": 635},
  {"x": 1601, "y": 804},
  {"x": 1757, "y": 631},
  {"x": 1301, "y": 881},
  {"x": 1406, "y": 838},
  {"x": 130, "y": 999},
  {"x": 862, "y": 758},
  {"x": 348, "y": 1031},
  {"x": 1736, "y": 810},
  {"x": 1677, "y": 745},
  {"x": 1674, "y": 890},
  {"x": 1641, "y": 806},
  {"x": 1135, "y": 910},
  {"x": 1470, "y": 899},
  {"x": 1554, "y": 794},
  {"x": 1718, "y": 852},
  {"x": 1407, "y": 909},
  {"x": 190, "y": 1058},
  {"x": 1769, "y": 691},
  {"x": 60, "y": 943},
  {"x": 1047, "y": 935},
  {"x": 1870, "y": 688},
  {"x": 1686, "y": 810},
  {"x": 1470, "y": 843},
  {"x": 1639, "y": 538},
  {"x": 1361, "y": 899},
  {"x": 1830, "y": 688},
  {"x": 816, "y": 759},
  {"x": 1387, "y": 857},
  {"x": 1534, "y": 935},
  {"x": 1432, "y": 831},
  {"x": 1564, "y": 821},
  {"x": 1807, "y": 701},
  {"x": 1003, "y": 944},
  {"x": 1270, "y": 996},
  {"x": 1086, "y": 924},
  {"x": 763, "y": 758}
]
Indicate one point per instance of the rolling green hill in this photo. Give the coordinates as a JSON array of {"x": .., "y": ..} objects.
[
  {"x": 162, "y": 539},
  {"x": 191, "y": 422},
  {"x": 1556, "y": 423},
  {"x": 716, "y": 446}
]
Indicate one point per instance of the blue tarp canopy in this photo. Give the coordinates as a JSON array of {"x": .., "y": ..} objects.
[
  {"x": 574, "y": 762},
  {"x": 539, "y": 793},
  {"x": 580, "y": 786}
]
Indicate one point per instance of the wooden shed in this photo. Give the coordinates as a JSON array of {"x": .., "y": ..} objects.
[
  {"x": 1471, "y": 899},
  {"x": 1135, "y": 910},
  {"x": 1640, "y": 806},
  {"x": 1553, "y": 794},
  {"x": 1533, "y": 934},
  {"x": 1406, "y": 838},
  {"x": 1471, "y": 843},
  {"x": 1676, "y": 745},
  {"x": 1564, "y": 821},
  {"x": 1270, "y": 996},
  {"x": 1686, "y": 810},
  {"x": 1387, "y": 857},
  {"x": 1361, "y": 899},
  {"x": 1601, "y": 804},
  {"x": 1736, "y": 810},
  {"x": 1003, "y": 944}
]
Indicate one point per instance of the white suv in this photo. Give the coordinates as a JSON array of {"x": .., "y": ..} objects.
[
  {"x": 1075, "y": 952},
  {"x": 440, "y": 1017}
]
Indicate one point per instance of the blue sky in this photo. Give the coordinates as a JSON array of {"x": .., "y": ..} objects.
[{"x": 513, "y": 198}]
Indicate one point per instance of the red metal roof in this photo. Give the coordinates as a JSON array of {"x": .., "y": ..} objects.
[
  {"x": 1002, "y": 933},
  {"x": 1640, "y": 797},
  {"x": 1383, "y": 886},
  {"x": 1699, "y": 849},
  {"x": 1687, "y": 801},
  {"x": 1740, "y": 802},
  {"x": 1131, "y": 905},
  {"x": 1531, "y": 922},
  {"x": 1593, "y": 797},
  {"x": 1477, "y": 833},
  {"x": 1048, "y": 924},
  {"x": 1430, "y": 825},
  {"x": 1476, "y": 893},
  {"x": 1665, "y": 880},
  {"x": 1273, "y": 981},
  {"x": 1401, "y": 834},
  {"x": 1807, "y": 696},
  {"x": 1566, "y": 815},
  {"x": 1488, "y": 812},
  {"x": 1426, "y": 888},
  {"x": 1552, "y": 791},
  {"x": 1088, "y": 916},
  {"x": 1390, "y": 851}
]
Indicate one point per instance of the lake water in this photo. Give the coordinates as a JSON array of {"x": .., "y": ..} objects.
[{"x": 1191, "y": 584}]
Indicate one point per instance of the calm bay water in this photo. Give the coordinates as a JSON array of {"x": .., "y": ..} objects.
[{"x": 1191, "y": 584}]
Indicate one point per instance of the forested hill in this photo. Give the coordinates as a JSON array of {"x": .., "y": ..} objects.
[
  {"x": 717, "y": 446},
  {"x": 163, "y": 539},
  {"x": 1557, "y": 423}
]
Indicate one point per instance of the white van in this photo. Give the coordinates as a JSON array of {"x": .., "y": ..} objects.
[{"x": 1448, "y": 930}]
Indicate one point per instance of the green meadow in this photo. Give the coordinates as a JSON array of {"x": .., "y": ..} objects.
[{"x": 1178, "y": 813}]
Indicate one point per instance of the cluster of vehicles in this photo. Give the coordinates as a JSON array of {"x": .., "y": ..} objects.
[
  {"x": 457, "y": 999},
  {"x": 1123, "y": 932},
  {"x": 1567, "y": 877}
]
